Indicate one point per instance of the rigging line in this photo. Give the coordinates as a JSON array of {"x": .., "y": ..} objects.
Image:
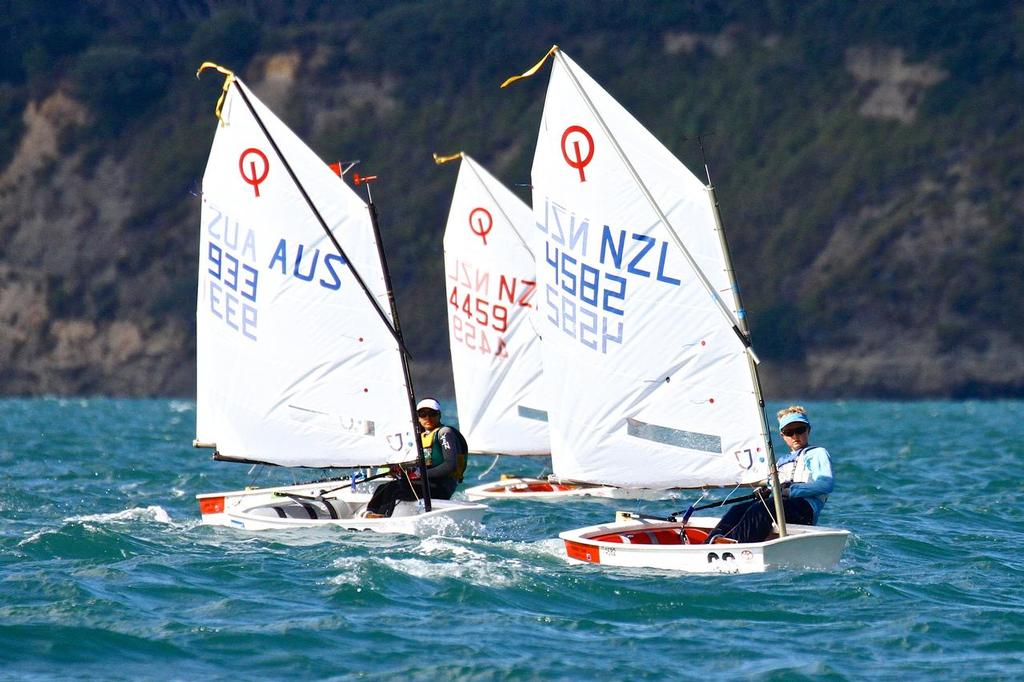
[
  {"x": 701, "y": 277},
  {"x": 218, "y": 457},
  {"x": 496, "y": 458},
  {"x": 408, "y": 479},
  {"x": 319, "y": 218}
]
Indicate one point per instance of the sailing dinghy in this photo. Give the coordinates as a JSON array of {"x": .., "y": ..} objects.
[
  {"x": 300, "y": 356},
  {"x": 651, "y": 379},
  {"x": 490, "y": 277}
]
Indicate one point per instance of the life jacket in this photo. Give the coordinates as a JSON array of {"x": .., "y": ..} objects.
[
  {"x": 434, "y": 453},
  {"x": 794, "y": 470}
]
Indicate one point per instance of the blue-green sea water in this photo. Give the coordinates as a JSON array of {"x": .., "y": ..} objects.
[{"x": 105, "y": 572}]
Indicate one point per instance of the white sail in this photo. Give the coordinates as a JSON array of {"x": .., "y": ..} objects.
[
  {"x": 295, "y": 365},
  {"x": 649, "y": 385},
  {"x": 491, "y": 289}
]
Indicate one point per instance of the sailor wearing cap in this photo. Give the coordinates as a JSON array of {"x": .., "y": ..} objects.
[
  {"x": 807, "y": 469},
  {"x": 445, "y": 450},
  {"x": 805, "y": 474}
]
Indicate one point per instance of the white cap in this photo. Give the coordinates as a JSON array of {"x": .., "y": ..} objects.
[{"x": 428, "y": 403}]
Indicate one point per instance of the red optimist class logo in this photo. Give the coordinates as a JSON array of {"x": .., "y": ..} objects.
[
  {"x": 257, "y": 172},
  {"x": 480, "y": 223},
  {"x": 574, "y": 156}
]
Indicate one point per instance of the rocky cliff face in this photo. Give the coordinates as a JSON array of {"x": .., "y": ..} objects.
[
  {"x": 913, "y": 327},
  {"x": 894, "y": 295},
  {"x": 63, "y": 326}
]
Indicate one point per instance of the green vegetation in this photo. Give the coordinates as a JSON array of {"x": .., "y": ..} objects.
[{"x": 767, "y": 85}]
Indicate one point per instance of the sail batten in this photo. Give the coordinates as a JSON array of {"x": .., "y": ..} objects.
[
  {"x": 298, "y": 365},
  {"x": 648, "y": 380}
]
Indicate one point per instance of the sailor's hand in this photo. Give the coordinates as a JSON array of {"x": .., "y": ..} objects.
[
  {"x": 396, "y": 470},
  {"x": 763, "y": 492},
  {"x": 785, "y": 488}
]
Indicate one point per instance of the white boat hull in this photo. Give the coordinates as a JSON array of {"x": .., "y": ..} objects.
[
  {"x": 516, "y": 488},
  {"x": 635, "y": 542},
  {"x": 287, "y": 507}
]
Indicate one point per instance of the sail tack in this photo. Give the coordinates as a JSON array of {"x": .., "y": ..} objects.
[
  {"x": 295, "y": 365},
  {"x": 491, "y": 288},
  {"x": 648, "y": 384}
]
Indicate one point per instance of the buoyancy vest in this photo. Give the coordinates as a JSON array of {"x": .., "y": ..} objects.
[
  {"x": 794, "y": 470},
  {"x": 434, "y": 453},
  {"x": 797, "y": 471}
]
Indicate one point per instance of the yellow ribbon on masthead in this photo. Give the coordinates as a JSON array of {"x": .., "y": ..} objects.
[
  {"x": 229, "y": 78},
  {"x": 536, "y": 67},
  {"x": 439, "y": 160}
]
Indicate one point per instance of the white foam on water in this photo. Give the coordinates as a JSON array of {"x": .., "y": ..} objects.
[
  {"x": 440, "y": 545},
  {"x": 452, "y": 558},
  {"x": 150, "y": 513},
  {"x": 476, "y": 572},
  {"x": 35, "y": 536},
  {"x": 554, "y": 547},
  {"x": 181, "y": 406},
  {"x": 445, "y": 525},
  {"x": 351, "y": 571}
]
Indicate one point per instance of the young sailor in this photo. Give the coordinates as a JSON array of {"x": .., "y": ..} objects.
[
  {"x": 806, "y": 478},
  {"x": 446, "y": 452}
]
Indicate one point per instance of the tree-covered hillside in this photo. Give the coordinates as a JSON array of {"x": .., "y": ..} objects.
[{"x": 868, "y": 157}]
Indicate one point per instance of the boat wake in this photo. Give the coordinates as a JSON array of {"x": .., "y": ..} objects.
[
  {"x": 481, "y": 563},
  {"x": 449, "y": 559}
]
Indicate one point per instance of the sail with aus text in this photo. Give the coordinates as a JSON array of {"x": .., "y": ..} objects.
[
  {"x": 649, "y": 384},
  {"x": 491, "y": 289},
  {"x": 296, "y": 365}
]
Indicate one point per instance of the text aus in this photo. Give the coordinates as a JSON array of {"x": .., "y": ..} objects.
[{"x": 233, "y": 282}]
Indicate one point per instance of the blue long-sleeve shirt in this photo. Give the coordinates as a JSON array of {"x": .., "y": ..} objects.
[{"x": 816, "y": 467}]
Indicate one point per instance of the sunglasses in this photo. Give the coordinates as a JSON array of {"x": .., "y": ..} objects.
[
  {"x": 798, "y": 431},
  {"x": 426, "y": 413}
]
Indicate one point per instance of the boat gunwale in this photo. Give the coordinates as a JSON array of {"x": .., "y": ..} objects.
[{"x": 585, "y": 535}]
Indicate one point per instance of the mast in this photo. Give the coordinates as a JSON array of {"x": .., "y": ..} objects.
[
  {"x": 421, "y": 460},
  {"x": 773, "y": 470}
]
